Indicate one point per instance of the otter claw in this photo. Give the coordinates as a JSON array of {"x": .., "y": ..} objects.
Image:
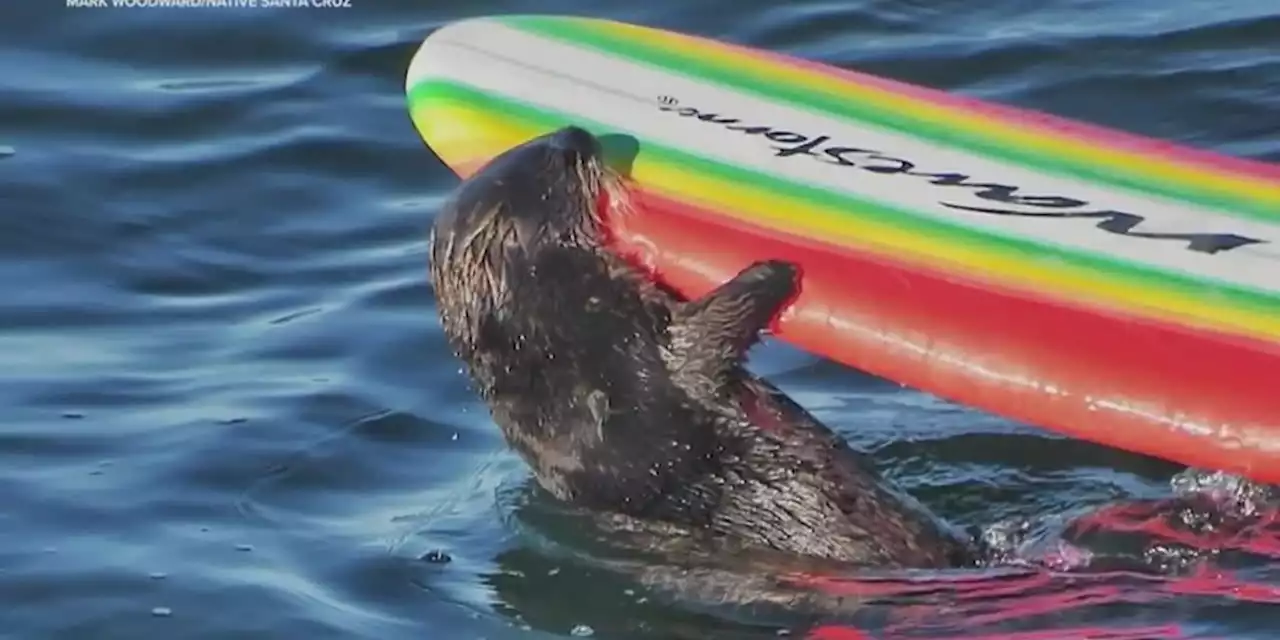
[{"x": 779, "y": 272}]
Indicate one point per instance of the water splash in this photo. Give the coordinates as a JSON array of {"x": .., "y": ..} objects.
[
  {"x": 1135, "y": 553},
  {"x": 1232, "y": 493}
]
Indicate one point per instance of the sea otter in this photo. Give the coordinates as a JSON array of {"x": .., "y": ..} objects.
[{"x": 628, "y": 400}]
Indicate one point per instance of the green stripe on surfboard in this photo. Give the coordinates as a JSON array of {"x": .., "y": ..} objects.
[{"x": 581, "y": 32}]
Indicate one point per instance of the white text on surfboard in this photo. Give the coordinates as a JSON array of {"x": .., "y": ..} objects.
[{"x": 823, "y": 149}]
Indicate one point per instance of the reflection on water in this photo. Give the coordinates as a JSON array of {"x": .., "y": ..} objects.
[{"x": 230, "y": 411}]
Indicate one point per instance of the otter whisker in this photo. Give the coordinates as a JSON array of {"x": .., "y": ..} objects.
[
  {"x": 615, "y": 186},
  {"x": 484, "y": 228},
  {"x": 587, "y": 186}
]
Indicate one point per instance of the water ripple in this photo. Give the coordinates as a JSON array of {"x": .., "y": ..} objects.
[{"x": 231, "y": 412}]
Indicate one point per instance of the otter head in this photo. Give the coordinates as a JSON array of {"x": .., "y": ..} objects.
[{"x": 546, "y": 192}]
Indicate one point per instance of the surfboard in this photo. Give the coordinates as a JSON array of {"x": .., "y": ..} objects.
[{"x": 1108, "y": 286}]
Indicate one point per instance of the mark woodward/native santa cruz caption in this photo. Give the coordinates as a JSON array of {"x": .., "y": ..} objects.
[{"x": 823, "y": 149}]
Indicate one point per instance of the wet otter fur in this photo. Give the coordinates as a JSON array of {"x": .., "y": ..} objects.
[{"x": 627, "y": 400}]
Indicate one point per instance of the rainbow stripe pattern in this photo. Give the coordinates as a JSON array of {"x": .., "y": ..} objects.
[{"x": 1090, "y": 313}]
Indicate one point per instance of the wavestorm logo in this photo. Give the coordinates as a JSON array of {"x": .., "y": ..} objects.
[{"x": 1003, "y": 198}]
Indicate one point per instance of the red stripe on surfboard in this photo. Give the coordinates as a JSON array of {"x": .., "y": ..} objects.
[
  {"x": 975, "y": 281},
  {"x": 990, "y": 348}
]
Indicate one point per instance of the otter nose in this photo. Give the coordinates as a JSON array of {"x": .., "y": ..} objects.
[{"x": 575, "y": 139}]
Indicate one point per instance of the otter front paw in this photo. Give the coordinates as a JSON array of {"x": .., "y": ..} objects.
[
  {"x": 712, "y": 334},
  {"x": 770, "y": 279}
]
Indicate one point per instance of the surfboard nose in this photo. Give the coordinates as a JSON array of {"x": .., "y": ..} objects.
[{"x": 576, "y": 139}]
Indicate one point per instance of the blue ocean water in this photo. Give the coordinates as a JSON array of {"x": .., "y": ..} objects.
[{"x": 229, "y": 408}]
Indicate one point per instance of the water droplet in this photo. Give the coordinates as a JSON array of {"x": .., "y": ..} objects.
[
  {"x": 582, "y": 631},
  {"x": 554, "y": 572},
  {"x": 244, "y": 547},
  {"x": 162, "y": 612},
  {"x": 158, "y": 575},
  {"x": 6, "y": 151},
  {"x": 436, "y": 556},
  {"x": 72, "y": 415}
]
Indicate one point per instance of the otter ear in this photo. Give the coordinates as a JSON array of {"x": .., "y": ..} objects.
[{"x": 711, "y": 335}]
